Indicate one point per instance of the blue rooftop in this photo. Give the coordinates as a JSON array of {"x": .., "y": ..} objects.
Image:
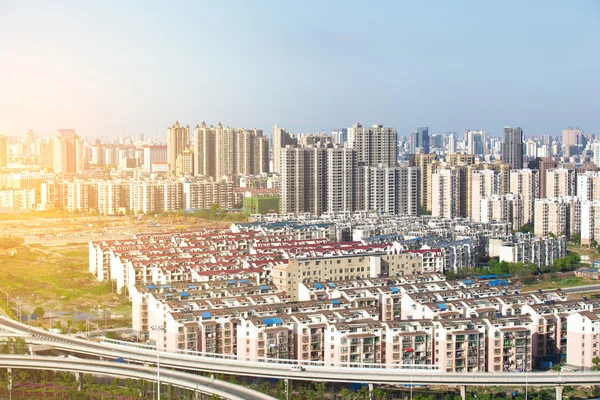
[
  {"x": 331, "y": 284},
  {"x": 231, "y": 282},
  {"x": 151, "y": 287},
  {"x": 442, "y": 306},
  {"x": 467, "y": 282},
  {"x": 165, "y": 287},
  {"x": 191, "y": 287},
  {"x": 272, "y": 321},
  {"x": 264, "y": 287},
  {"x": 395, "y": 289},
  {"x": 243, "y": 281},
  {"x": 335, "y": 301},
  {"x": 184, "y": 294},
  {"x": 318, "y": 286},
  {"x": 206, "y": 314}
]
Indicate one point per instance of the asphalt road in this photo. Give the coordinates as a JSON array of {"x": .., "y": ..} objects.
[{"x": 582, "y": 289}]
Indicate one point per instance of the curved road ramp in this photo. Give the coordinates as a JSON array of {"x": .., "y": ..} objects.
[{"x": 201, "y": 384}]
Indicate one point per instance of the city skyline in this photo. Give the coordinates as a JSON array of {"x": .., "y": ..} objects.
[{"x": 445, "y": 67}]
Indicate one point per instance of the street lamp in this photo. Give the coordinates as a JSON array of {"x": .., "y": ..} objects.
[{"x": 158, "y": 329}]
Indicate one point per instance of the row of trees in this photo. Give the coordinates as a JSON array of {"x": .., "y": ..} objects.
[
  {"x": 564, "y": 264},
  {"x": 35, "y": 384}
]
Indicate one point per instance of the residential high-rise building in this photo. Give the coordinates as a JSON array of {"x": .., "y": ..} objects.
[
  {"x": 512, "y": 147},
  {"x": 542, "y": 165},
  {"x": 455, "y": 159},
  {"x": 588, "y": 186},
  {"x": 178, "y": 140},
  {"x": 3, "y": 153},
  {"x": 419, "y": 139},
  {"x": 596, "y": 150},
  {"x": 560, "y": 182},
  {"x": 476, "y": 142},
  {"x": 444, "y": 186},
  {"x": 280, "y": 139},
  {"x": 341, "y": 177},
  {"x": 261, "y": 155},
  {"x": 452, "y": 143},
  {"x": 502, "y": 208},
  {"x": 374, "y": 146},
  {"x": 572, "y": 139},
  {"x": 426, "y": 163},
  {"x": 46, "y": 153},
  {"x": 526, "y": 184},
  {"x": 68, "y": 152},
  {"x": 559, "y": 216},
  {"x": 391, "y": 190},
  {"x": 303, "y": 180},
  {"x": 485, "y": 184},
  {"x": 185, "y": 163},
  {"x": 222, "y": 151},
  {"x": 339, "y": 136},
  {"x": 154, "y": 154}
]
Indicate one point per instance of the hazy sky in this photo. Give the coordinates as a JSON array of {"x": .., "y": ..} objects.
[{"x": 108, "y": 66}]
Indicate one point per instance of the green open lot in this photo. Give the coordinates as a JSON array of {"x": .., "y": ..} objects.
[
  {"x": 56, "y": 278},
  {"x": 557, "y": 281}
]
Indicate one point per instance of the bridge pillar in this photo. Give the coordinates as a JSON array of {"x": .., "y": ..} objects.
[
  {"x": 559, "y": 392},
  {"x": 79, "y": 377},
  {"x": 463, "y": 392},
  {"x": 371, "y": 394}
]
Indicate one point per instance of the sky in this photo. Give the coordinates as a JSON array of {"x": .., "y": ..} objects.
[{"x": 106, "y": 68}]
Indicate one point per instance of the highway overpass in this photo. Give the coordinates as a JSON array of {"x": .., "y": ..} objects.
[
  {"x": 113, "y": 369},
  {"x": 276, "y": 369}
]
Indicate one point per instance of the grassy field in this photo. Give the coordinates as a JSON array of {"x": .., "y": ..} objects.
[
  {"x": 559, "y": 282},
  {"x": 587, "y": 251},
  {"x": 56, "y": 278}
]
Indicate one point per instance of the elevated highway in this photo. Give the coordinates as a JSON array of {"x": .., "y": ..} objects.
[
  {"x": 184, "y": 380},
  {"x": 277, "y": 369}
]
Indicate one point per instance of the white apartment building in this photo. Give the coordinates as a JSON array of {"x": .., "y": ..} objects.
[
  {"x": 503, "y": 208},
  {"x": 374, "y": 145},
  {"x": 185, "y": 163},
  {"x": 110, "y": 197},
  {"x": 178, "y": 140},
  {"x": 588, "y": 186},
  {"x": 560, "y": 182},
  {"x": 532, "y": 249},
  {"x": 389, "y": 190},
  {"x": 17, "y": 199},
  {"x": 526, "y": 184},
  {"x": 201, "y": 195},
  {"x": 341, "y": 178},
  {"x": 559, "y": 216},
  {"x": 281, "y": 138},
  {"x": 484, "y": 183},
  {"x": 77, "y": 196},
  {"x": 154, "y": 154},
  {"x": 445, "y": 187},
  {"x": 590, "y": 222}
]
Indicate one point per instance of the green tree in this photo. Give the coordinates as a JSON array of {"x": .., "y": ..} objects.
[
  {"x": 576, "y": 239},
  {"x": 345, "y": 393},
  {"x": 88, "y": 382},
  {"x": 39, "y": 312},
  {"x": 526, "y": 229},
  {"x": 596, "y": 362}
]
